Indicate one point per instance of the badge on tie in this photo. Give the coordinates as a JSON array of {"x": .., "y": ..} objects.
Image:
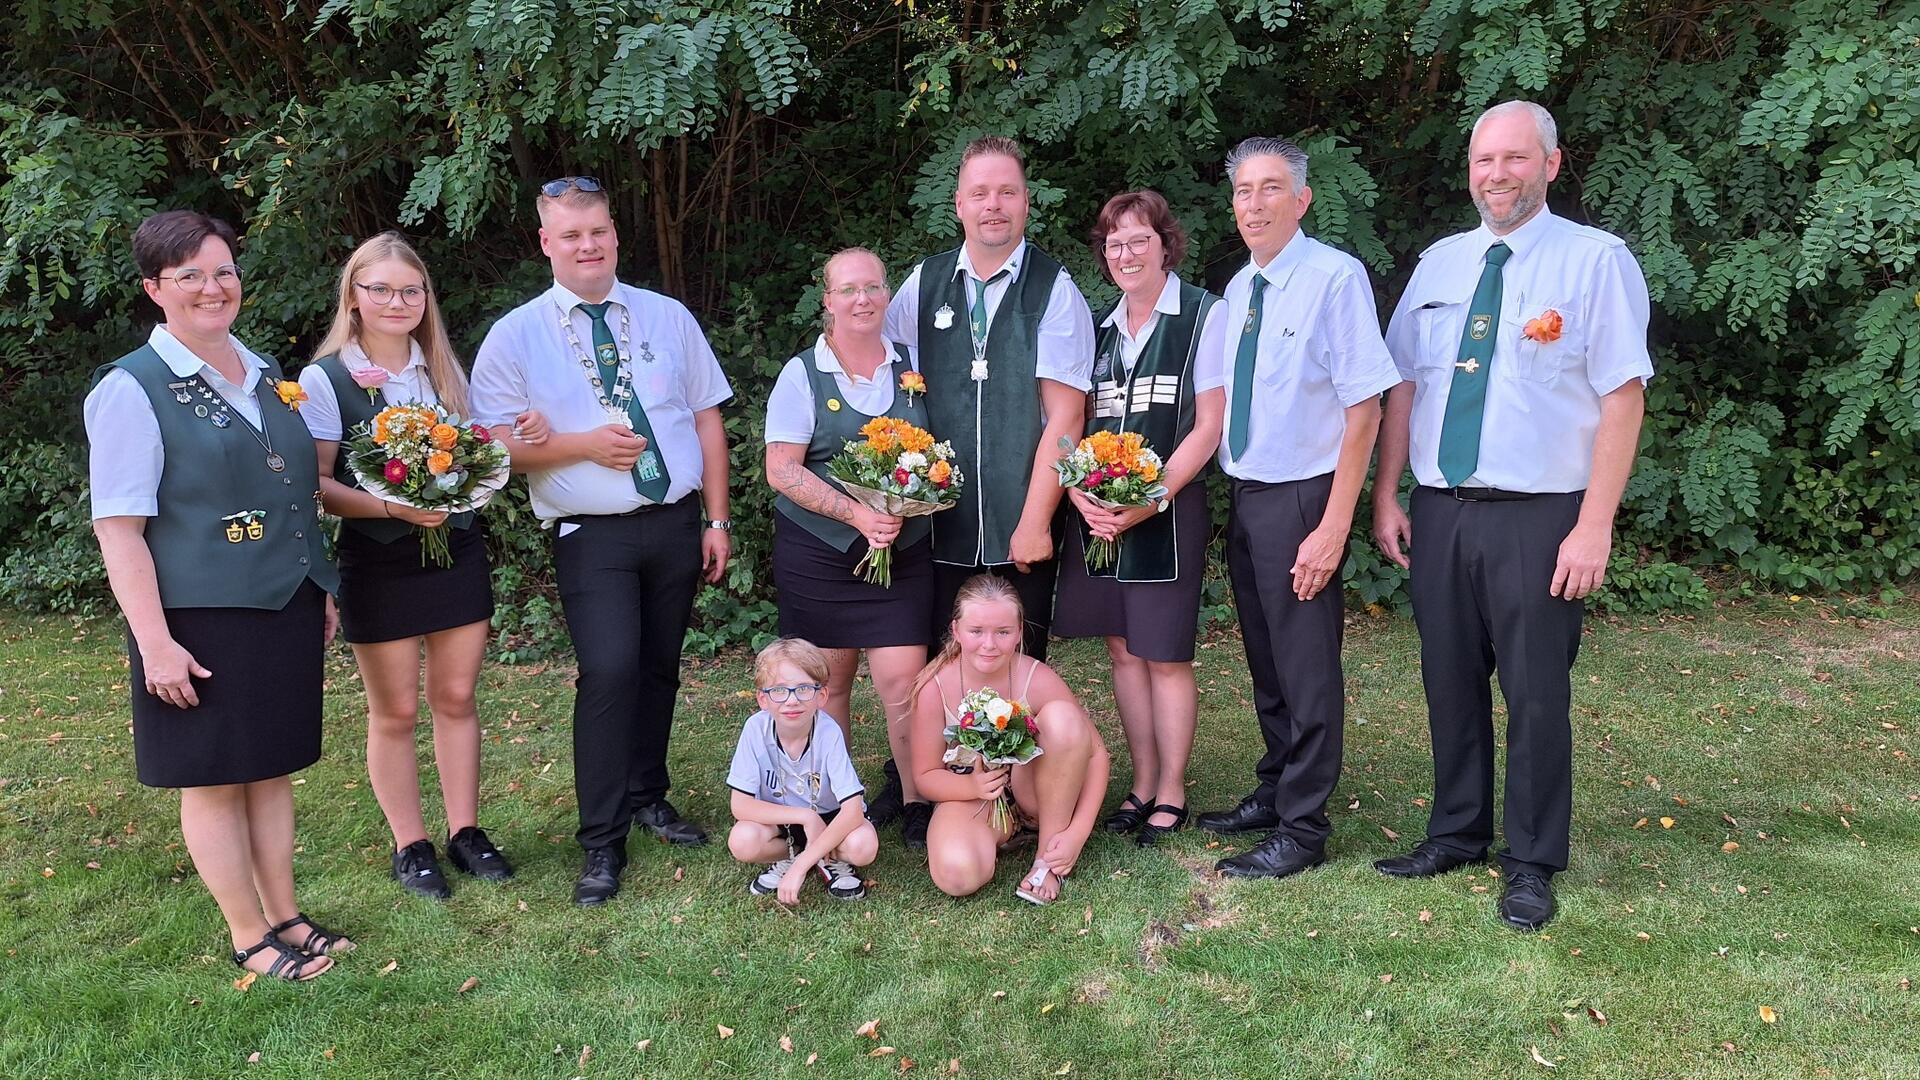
[
  {"x": 648, "y": 467},
  {"x": 1481, "y": 325}
]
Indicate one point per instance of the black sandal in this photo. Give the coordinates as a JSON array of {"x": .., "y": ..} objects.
[
  {"x": 320, "y": 941},
  {"x": 290, "y": 965},
  {"x": 1150, "y": 833},
  {"x": 1131, "y": 813}
]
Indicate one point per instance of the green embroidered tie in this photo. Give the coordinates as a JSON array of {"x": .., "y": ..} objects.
[
  {"x": 1467, "y": 397},
  {"x": 1243, "y": 364},
  {"x": 650, "y": 472},
  {"x": 977, "y": 311}
]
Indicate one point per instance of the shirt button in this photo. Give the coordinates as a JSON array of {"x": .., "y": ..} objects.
[{"x": 303, "y": 560}]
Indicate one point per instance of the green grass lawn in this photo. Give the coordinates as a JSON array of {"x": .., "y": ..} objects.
[{"x": 1785, "y": 729}]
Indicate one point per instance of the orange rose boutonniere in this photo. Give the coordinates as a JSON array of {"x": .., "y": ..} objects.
[
  {"x": 290, "y": 393},
  {"x": 1545, "y": 329},
  {"x": 912, "y": 383}
]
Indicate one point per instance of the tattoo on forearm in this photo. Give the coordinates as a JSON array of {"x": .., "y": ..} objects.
[{"x": 797, "y": 482}]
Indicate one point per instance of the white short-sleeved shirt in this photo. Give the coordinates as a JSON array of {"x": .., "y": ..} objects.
[
  {"x": 527, "y": 363},
  {"x": 322, "y": 409},
  {"x": 125, "y": 456},
  {"x": 1543, "y": 400},
  {"x": 819, "y": 780},
  {"x": 790, "y": 407},
  {"x": 1064, "y": 347},
  {"x": 1319, "y": 354},
  {"x": 1207, "y": 373}
]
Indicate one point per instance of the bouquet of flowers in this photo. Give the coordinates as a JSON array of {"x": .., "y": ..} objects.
[
  {"x": 424, "y": 457},
  {"x": 992, "y": 731},
  {"x": 896, "y": 469},
  {"x": 1117, "y": 470}
]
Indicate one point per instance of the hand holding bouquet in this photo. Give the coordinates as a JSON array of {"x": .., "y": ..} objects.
[
  {"x": 895, "y": 469},
  {"x": 992, "y": 731},
  {"x": 1117, "y": 470},
  {"x": 423, "y": 457}
]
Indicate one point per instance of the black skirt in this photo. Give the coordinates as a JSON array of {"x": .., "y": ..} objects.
[
  {"x": 259, "y": 712},
  {"x": 822, "y": 601},
  {"x": 1159, "y": 619},
  {"x": 387, "y": 595}
]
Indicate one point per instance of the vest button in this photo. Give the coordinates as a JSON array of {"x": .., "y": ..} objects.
[
  {"x": 295, "y": 507},
  {"x": 303, "y": 560},
  {"x": 299, "y": 536},
  {"x": 287, "y": 481}
]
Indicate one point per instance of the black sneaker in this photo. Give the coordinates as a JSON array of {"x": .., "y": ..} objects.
[
  {"x": 914, "y": 819},
  {"x": 471, "y": 852},
  {"x": 417, "y": 869},
  {"x": 885, "y": 808}
]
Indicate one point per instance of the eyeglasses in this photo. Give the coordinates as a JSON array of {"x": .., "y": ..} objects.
[
  {"x": 553, "y": 189},
  {"x": 412, "y": 295},
  {"x": 871, "y": 292},
  {"x": 779, "y": 694},
  {"x": 192, "y": 280},
  {"x": 1136, "y": 246}
]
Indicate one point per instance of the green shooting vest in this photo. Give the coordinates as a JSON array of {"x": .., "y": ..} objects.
[
  {"x": 356, "y": 408},
  {"x": 230, "y": 531},
  {"x": 1155, "y": 399},
  {"x": 835, "y": 423},
  {"x": 994, "y": 425}
]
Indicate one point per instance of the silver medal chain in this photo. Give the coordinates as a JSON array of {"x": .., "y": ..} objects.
[{"x": 622, "y": 392}]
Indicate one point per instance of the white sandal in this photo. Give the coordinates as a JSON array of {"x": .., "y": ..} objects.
[{"x": 1029, "y": 889}]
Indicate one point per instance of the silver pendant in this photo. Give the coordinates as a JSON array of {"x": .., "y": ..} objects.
[
  {"x": 220, "y": 419},
  {"x": 200, "y": 411},
  {"x": 276, "y": 462},
  {"x": 943, "y": 318}
]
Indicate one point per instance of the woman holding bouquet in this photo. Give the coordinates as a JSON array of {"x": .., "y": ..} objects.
[
  {"x": 388, "y": 346},
  {"x": 1157, "y": 372},
  {"x": 821, "y": 400},
  {"x": 1060, "y": 790},
  {"x": 203, "y": 496}
]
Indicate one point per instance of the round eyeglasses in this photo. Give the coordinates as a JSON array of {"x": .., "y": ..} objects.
[
  {"x": 1136, "y": 246},
  {"x": 779, "y": 694},
  {"x": 194, "y": 279},
  {"x": 384, "y": 295}
]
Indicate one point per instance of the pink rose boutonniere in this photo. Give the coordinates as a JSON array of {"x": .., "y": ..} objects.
[{"x": 370, "y": 378}]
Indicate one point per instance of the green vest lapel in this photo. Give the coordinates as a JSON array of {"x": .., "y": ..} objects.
[
  {"x": 1155, "y": 399},
  {"x": 833, "y": 428},
  {"x": 356, "y": 408},
  {"x": 230, "y": 531},
  {"x": 996, "y": 421}
]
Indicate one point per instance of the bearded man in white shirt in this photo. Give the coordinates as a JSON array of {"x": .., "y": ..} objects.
[{"x": 1524, "y": 343}]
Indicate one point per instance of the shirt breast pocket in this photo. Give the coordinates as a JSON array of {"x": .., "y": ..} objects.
[
  {"x": 657, "y": 375},
  {"x": 1440, "y": 322},
  {"x": 1547, "y": 339},
  {"x": 1285, "y": 353}
]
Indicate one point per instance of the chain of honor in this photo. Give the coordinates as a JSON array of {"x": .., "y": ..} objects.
[
  {"x": 617, "y": 400},
  {"x": 214, "y": 410}
]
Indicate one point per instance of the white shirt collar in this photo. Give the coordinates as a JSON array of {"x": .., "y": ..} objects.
[
  {"x": 567, "y": 300},
  {"x": 353, "y": 356},
  {"x": 182, "y": 362},
  {"x": 1011, "y": 266},
  {"x": 826, "y": 360},
  {"x": 1521, "y": 240},
  {"x": 1280, "y": 268},
  {"x": 1168, "y": 303}
]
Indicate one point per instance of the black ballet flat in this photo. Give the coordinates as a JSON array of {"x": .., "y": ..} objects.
[
  {"x": 1150, "y": 833},
  {"x": 1130, "y": 814}
]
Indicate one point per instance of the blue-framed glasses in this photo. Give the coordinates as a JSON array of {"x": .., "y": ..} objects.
[
  {"x": 780, "y": 694},
  {"x": 553, "y": 189}
]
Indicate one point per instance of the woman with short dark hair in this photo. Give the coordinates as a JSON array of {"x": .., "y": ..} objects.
[
  {"x": 1156, "y": 371},
  {"x": 205, "y": 502}
]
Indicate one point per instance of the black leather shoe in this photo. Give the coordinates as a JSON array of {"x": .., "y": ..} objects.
[
  {"x": 1150, "y": 833},
  {"x": 884, "y": 810},
  {"x": 668, "y": 825},
  {"x": 599, "y": 876},
  {"x": 417, "y": 869},
  {"x": 1250, "y": 815},
  {"x": 1527, "y": 901},
  {"x": 1128, "y": 815},
  {"x": 471, "y": 852},
  {"x": 1278, "y": 856},
  {"x": 914, "y": 819},
  {"x": 1428, "y": 859}
]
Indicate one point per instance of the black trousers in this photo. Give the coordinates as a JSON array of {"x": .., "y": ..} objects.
[
  {"x": 627, "y": 586},
  {"x": 1481, "y": 571},
  {"x": 1293, "y": 651},
  {"x": 1035, "y": 588}
]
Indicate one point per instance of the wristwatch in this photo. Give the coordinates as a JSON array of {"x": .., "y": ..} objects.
[
  {"x": 1160, "y": 505},
  {"x": 725, "y": 525}
]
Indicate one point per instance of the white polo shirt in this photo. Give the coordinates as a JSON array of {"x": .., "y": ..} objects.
[
  {"x": 790, "y": 414},
  {"x": 322, "y": 409},
  {"x": 1064, "y": 345},
  {"x": 1543, "y": 400},
  {"x": 1319, "y": 354},
  {"x": 526, "y": 363}
]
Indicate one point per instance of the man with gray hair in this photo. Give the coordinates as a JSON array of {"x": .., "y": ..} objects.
[
  {"x": 1305, "y": 369},
  {"x": 1524, "y": 343}
]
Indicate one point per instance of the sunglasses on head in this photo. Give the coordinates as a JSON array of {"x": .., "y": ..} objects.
[{"x": 553, "y": 189}]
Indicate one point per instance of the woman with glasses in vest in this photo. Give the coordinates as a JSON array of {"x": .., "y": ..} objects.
[
  {"x": 205, "y": 502},
  {"x": 388, "y": 346},
  {"x": 1156, "y": 370},
  {"x": 820, "y": 401}
]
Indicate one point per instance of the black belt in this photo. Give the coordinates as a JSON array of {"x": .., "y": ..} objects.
[
  {"x": 648, "y": 508},
  {"x": 1485, "y": 494}
]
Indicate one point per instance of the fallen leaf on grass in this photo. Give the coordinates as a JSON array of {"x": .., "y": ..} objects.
[
  {"x": 998, "y": 994},
  {"x": 1644, "y": 936},
  {"x": 907, "y": 1064},
  {"x": 327, "y": 1053},
  {"x": 1535, "y": 1051},
  {"x": 1047, "y": 1008},
  {"x": 953, "y": 1066},
  {"x": 679, "y": 873},
  {"x": 391, "y": 965},
  {"x": 871, "y": 1029},
  {"x": 786, "y": 1043},
  {"x": 1730, "y": 847},
  {"x": 642, "y": 1045},
  {"x": 1064, "y": 1069},
  {"x": 725, "y": 1031},
  {"x": 1666, "y": 823},
  {"x": 881, "y": 1051},
  {"x": 811, "y": 1058},
  {"x": 586, "y": 1055},
  {"x": 1598, "y": 1016},
  {"x": 472, "y": 981},
  {"x": 245, "y": 982},
  {"x": 1391, "y": 835},
  {"x": 1768, "y": 1015},
  {"x": 1426, "y": 916},
  {"x": 1384, "y": 979},
  {"x": 1641, "y": 824}
]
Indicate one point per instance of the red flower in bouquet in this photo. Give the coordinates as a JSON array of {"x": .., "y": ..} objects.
[
  {"x": 396, "y": 471},
  {"x": 481, "y": 434}
]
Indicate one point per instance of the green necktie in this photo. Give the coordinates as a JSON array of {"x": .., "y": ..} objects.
[
  {"x": 1467, "y": 397},
  {"x": 1243, "y": 363},
  {"x": 977, "y": 313},
  {"x": 650, "y": 472}
]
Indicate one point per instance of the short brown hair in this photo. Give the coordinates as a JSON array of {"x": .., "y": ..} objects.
[
  {"x": 171, "y": 237},
  {"x": 995, "y": 144},
  {"x": 799, "y": 652},
  {"x": 1150, "y": 207}
]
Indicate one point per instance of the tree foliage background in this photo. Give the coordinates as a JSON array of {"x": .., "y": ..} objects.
[{"x": 1760, "y": 159}]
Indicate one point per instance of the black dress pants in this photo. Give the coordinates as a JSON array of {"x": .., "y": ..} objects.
[
  {"x": 1481, "y": 574},
  {"x": 1293, "y": 651},
  {"x": 1035, "y": 589},
  {"x": 627, "y": 586}
]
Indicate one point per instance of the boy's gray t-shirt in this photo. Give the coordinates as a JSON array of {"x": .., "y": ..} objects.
[{"x": 820, "y": 780}]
